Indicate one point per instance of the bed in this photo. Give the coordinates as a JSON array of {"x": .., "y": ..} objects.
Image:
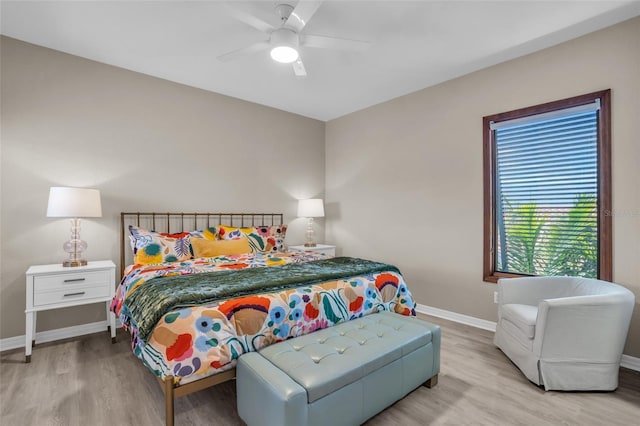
[{"x": 194, "y": 301}]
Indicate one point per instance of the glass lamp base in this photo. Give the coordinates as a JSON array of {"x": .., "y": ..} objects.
[
  {"x": 73, "y": 263},
  {"x": 310, "y": 234},
  {"x": 75, "y": 246}
]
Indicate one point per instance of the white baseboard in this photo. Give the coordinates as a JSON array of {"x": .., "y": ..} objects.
[
  {"x": 630, "y": 362},
  {"x": 456, "y": 317},
  {"x": 8, "y": 343},
  {"x": 57, "y": 334},
  {"x": 627, "y": 361}
]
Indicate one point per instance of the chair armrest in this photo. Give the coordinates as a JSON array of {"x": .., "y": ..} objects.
[
  {"x": 529, "y": 290},
  {"x": 592, "y": 328}
]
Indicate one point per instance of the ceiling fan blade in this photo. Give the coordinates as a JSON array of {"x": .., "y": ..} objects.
[
  {"x": 247, "y": 18},
  {"x": 298, "y": 68},
  {"x": 245, "y": 51},
  {"x": 324, "y": 42},
  {"x": 301, "y": 15}
]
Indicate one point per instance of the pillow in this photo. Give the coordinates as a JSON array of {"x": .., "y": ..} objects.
[
  {"x": 231, "y": 232},
  {"x": 275, "y": 232},
  {"x": 156, "y": 247},
  {"x": 208, "y": 234},
  {"x": 203, "y": 247},
  {"x": 262, "y": 239}
]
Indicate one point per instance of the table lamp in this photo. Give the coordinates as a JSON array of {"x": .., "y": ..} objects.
[
  {"x": 74, "y": 203},
  {"x": 310, "y": 208}
]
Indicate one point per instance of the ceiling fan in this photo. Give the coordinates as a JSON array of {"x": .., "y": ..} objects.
[{"x": 285, "y": 41}]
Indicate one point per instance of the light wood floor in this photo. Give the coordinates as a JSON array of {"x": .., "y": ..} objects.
[{"x": 89, "y": 381}]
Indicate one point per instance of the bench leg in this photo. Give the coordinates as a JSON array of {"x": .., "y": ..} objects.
[{"x": 431, "y": 382}]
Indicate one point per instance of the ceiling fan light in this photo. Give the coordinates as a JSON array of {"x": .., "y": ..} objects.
[
  {"x": 284, "y": 54},
  {"x": 285, "y": 43}
]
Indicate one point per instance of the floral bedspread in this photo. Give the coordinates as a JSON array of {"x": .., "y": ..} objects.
[{"x": 193, "y": 342}]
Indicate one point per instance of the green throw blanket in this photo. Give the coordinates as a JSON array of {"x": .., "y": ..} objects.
[{"x": 160, "y": 295}]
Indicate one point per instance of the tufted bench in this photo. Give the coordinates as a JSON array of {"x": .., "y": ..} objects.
[{"x": 341, "y": 375}]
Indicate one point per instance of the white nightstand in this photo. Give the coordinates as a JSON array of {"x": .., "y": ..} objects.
[
  {"x": 54, "y": 286},
  {"x": 327, "y": 249}
]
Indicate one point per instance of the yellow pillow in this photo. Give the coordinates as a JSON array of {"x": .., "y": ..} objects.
[
  {"x": 208, "y": 248},
  {"x": 232, "y": 232}
]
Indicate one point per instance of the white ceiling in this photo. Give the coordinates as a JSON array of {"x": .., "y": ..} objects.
[{"x": 414, "y": 44}]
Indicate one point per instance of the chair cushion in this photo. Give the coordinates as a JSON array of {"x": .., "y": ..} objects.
[{"x": 522, "y": 316}]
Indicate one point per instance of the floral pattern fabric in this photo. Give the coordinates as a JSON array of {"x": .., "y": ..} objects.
[
  {"x": 262, "y": 239},
  {"x": 198, "y": 341},
  {"x": 151, "y": 247}
]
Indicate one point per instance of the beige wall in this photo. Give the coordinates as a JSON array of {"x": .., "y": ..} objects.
[
  {"x": 147, "y": 144},
  {"x": 404, "y": 178}
]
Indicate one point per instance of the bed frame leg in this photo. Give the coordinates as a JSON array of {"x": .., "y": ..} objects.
[
  {"x": 431, "y": 382},
  {"x": 168, "y": 397}
]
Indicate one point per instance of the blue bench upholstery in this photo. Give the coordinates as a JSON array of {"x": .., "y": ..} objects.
[{"x": 341, "y": 375}]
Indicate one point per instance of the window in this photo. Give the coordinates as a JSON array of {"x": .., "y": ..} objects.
[{"x": 547, "y": 188}]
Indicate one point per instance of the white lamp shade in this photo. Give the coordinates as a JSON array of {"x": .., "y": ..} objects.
[
  {"x": 313, "y": 207},
  {"x": 74, "y": 202}
]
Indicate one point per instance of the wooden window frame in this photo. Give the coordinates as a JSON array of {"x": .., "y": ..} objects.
[{"x": 605, "y": 271}]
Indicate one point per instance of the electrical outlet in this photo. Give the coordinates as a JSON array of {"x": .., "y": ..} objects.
[{"x": 495, "y": 297}]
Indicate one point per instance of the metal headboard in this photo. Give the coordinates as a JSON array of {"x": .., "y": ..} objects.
[{"x": 179, "y": 222}]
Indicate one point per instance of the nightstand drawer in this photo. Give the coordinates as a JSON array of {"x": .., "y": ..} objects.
[
  {"x": 327, "y": 251},
  {"x": 63, "y": 282},
  {"x": 74, "y": 294}
]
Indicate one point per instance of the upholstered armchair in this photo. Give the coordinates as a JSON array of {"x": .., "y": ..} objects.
[{"x": 565, "y": 333}]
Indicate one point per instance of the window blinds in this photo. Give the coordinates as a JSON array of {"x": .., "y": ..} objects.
[{"x": 546, "y": 193}]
